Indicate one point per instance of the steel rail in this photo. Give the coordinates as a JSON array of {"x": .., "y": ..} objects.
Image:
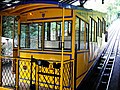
[{"x": 109, "y": 52}]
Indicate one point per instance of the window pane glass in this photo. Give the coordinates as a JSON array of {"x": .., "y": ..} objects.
[
  {"x": 67, "y": 42},
  {"x": 95, "y": 26},
  {"x": 23, "y": 35},
  {"x": 7, "y": 26},
  {"x": 16, "y": 34},
  {"x": 99, "y": 27},
  {"x": 53, "y": 31},
  {"x": 87, "y": 36},
  {"x": 66, "y": 28},
  {"x": 104, "y": 24},
  {"x": 29, "y": 36},
  {"x": 90, "y": 32},
  {"x": 53, "y": 35},
  {"x": 93, "y": 31},
  {"x": 59, "y": 29},
  {"x": 40, "y": 34},
  {"x": 77, "y": 32},
  {"x": 33, "y": 36},
  {"x": 47, "y": 30},
  {"x": 82, "y": 34}
]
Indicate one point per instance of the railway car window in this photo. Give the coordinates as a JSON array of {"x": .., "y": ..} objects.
[
  {"x": 53, "y": 35},
  {"x": 96, "y": 31},
  {"x": 40, "y": 34},
  {"x": 93, "y": 30},
  {"x": 7, "y": 26},
  {"x": 23, "y": 35},
  {"x": 15, "y": 34},
  {"x": 87, "y": 36},
  {"x": 77, "y": 28},
  {"x": 7, "y": 35},
  {"x": 29, "y": 36},
  {"x": 33, "y": 30},
  {"x": 59, "y": 30},
  {"x": 82, "y": 36},
  {"x": 90, "y": 32},
  {"x": 53, "y": 31},
  {"x": 104, "y": 25},
  {"x": 102, "y": 29},
  {"x": 67, "y": 41},
  {"x": 99, "y": 27},
  {"x": 47, "y": 31}
]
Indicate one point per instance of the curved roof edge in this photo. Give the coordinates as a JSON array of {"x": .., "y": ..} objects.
[{"x": 60, "y": 4}]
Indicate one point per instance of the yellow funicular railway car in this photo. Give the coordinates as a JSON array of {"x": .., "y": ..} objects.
[{"x": 57, "y": 43}]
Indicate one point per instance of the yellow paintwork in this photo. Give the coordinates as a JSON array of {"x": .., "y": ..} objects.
[
  {"x": 44, "y": 56},
  {"x": 82, "y": 65},
  {"x": 62, "y": 59},
  {"x": 2, "y": 88},
  {"x": 0, "y": 47},
  {"x": 38, "y": 15}
]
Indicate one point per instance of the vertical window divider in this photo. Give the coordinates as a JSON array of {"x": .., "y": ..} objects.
[{"x": 43, "y": 35}]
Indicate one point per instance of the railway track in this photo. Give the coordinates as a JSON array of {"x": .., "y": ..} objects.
[
  {"x": 100, "y": 76},
  {"x": 106, "y": 65}
]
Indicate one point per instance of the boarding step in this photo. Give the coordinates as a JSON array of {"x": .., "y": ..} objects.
[
  {"x": 101, "y": 64},
  {"x": 112, "y": 58},
  {"x": 107, "y": 68},
  {"x": 110, "y": 62},
  {"x": 104, "y": 57},
  {"x": 106, "y": 74},
  {"x": 103, "y": 82},
  {"x": 99, "y": 68}
]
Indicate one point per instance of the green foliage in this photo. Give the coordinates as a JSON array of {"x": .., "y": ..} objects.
[
  {"x": 8, "y": 26},
  {"x": 112, "y": 10}
]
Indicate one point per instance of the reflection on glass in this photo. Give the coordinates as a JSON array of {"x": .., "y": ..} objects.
[
  {"x": 40, "y": 35},
  {"x": 77, "y": 32},
  {"x": 82, "y": 37},
  {"x": 33, "y": 30},
  {"x": 23, "y": 35}
]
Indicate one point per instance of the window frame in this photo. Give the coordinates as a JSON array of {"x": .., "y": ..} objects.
[
  {"x": 85, "y": 35},
  {"x": 99, "y": 27},
  {"x": 60, "y": 41},
  {"x": 28, "y": 26},
  {"x": 95, "y": 30},
  {"x": 43, "y": 36},
  {"x": 103, "y": 25}
]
